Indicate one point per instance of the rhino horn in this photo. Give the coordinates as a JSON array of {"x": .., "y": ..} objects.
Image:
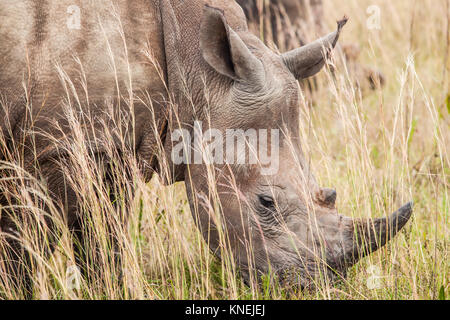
[
  {"x": 369, "y": 235},
  {"x": 306, "y": 61}
]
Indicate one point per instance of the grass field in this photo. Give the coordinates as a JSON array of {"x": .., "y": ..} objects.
[{"x": 378, "y": 151}]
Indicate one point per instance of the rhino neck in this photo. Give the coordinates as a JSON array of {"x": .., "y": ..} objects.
[
  {"x": 188, "y": 74},
  {"x": 186, "y": 68},
  {"x": 180, "y": 21}
]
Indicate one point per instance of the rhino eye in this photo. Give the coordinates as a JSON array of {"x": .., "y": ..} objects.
[{"x": 266, "y": 201}]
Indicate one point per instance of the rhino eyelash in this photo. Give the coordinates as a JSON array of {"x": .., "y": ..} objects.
[
  {"x": 267, "y": 210},
  {"x": 266, "y": 202}
]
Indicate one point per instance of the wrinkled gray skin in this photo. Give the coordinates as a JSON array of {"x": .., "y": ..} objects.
[
  {"x": 290, "y": 23},
  {"x": 290, "y": 223}
]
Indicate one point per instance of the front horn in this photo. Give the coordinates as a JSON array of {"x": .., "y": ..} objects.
[{"x": 369, "y": 235}]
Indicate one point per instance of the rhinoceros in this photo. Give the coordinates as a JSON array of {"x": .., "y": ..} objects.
[
  {"x": 290, "y": 23},
  {"x": 194, "y": 61}
]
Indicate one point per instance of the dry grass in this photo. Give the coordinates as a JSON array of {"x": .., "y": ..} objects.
[{"x": 379, "y": 152}]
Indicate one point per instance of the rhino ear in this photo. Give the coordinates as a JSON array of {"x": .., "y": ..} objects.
[
  {"x": 306, "y": 61},
  {"x": 224, "y": 50}
]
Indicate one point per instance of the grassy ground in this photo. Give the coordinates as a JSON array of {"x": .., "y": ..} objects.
[{"x": 378, "y": 152}]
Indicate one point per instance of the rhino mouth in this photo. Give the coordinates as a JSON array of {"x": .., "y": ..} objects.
[{"x": 309, "y": 278}]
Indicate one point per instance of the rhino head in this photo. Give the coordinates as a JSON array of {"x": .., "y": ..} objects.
[{"x": 276, "y": 220}]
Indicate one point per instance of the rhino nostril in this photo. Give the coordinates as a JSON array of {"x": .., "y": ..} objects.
[{"x": 328, "y": 196}]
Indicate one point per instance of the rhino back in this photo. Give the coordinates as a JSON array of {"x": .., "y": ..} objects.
[{"x": 46, "y": 57}]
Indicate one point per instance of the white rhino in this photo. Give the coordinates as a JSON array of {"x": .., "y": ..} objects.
[{"x": 204, "y": 60}]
